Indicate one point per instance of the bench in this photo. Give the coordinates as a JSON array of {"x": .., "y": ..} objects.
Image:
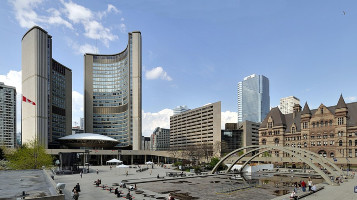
[{"x": 309, "y": 193}]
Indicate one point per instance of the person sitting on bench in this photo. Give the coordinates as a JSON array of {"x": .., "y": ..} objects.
[{"x": 128, "y": 196}]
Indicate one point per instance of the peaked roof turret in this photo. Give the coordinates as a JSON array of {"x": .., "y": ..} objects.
[
  {"x": 306, "y": 109},
  {"x": 341, "y": 103},
  {"x": 277, "y": 116}
]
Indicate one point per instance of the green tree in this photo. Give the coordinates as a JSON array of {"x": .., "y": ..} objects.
[
  {"x": 266, "y": 154},
  {"x": 213, "y": 163},
  {"x": 30, "y": 156}
]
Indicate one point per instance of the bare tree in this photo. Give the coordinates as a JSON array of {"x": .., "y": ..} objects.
[
  {"x": 207, "y": 151},
  {"x": 175, "y": 153},
  {"x": 220, "y": 148},
  {"x": 192, "y": 153}
]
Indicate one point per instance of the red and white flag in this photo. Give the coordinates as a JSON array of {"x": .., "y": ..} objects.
[{"x": 28, "y": 100}]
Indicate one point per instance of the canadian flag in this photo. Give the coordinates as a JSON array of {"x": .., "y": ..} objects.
[{"x": 28, "y": 100}]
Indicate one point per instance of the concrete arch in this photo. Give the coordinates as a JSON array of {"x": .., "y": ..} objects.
[
  {"x": 229, "y": 155},
  {"x": 317, "y": 169},
  {"x": 332, "y": 172},
  {"x": 286, "y": 150},
  {"x": 341, "y": 173},
  {"x": 316, "y": 158},
  {"x": 239, "y": 158}
]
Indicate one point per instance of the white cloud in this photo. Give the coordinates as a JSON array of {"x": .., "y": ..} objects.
[
  {"x": 351, "y": 99},
  {"x": 87, "y": 48},
  {"x": 112, "y": 8},
  {"x": 228, "y": 117},
  {"x": 123, "y": 28},
  {"x": 122, "y": 19},
  {"x": 76, "y": 13},
  {"x": 57, "y": 19},
  {"x": 153, "y": 120},
  {"x": 82, "y": 49},
  {"x": 93, "y": 29},
  {"x": 156, "y": 73},
  {"x": 27, "y": 16}
]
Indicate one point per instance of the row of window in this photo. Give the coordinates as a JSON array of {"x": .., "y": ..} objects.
[{"x": 305, "y": 125}]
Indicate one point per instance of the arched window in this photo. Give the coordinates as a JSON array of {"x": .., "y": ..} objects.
[
  {"x": 330, "y": 122},
  {"x": 276, "y": 141},
  {"x": 340, "y": 133},
  {"x": 322, "y": 123},
  {"x": 340, "y": 143},
  {"x": 293, "y": 129},
  {"x": 350, "y": 143},
  {"x": 332, "y": 155},
  {"x": 355, "y": 142},
  {"x": 264, "y": 141},
  {"x": 305, "y": 144},
  {"x": 313, "y": 125},
  {"x": 322, "y": 153}
]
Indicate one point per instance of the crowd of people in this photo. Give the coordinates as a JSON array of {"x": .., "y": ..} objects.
[{"x": 302, "y": 185}]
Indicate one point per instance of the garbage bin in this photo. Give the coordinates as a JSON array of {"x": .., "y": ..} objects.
[{"x": 355, "y": 189}]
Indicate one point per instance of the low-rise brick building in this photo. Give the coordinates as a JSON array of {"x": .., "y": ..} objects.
[{"x": 328, "y": 131}]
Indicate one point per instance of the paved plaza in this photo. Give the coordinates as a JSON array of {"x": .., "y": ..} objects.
[
  {"x": 343, "y": 192},
  {"x": 33, "y": 182},
  {"x": 202, "y": 187}
]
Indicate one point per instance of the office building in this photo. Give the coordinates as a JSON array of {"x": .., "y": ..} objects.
[
  {"x": 112, "y": 94},
  {"x": 77, "y": 130},
  {"x": 237, "y": 135},
  {"x": 196, "y": 127},
  {"x": 250, "y": 131},
  {"x": 328, "y": 131},
  {"x": 46, "y": 91},
  {"x": 145, "y": 143},
  {"x": 253, "y": 98},
  {"x": 160, "y": 139},
  {"x": 7, "y": 116},
  {"x": 287, "y": 104},
  {"x": 81, "y": 123},
  {"x": 180, "y": 109}
]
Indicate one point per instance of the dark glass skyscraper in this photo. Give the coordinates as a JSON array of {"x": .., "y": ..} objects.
[{"x": 253, "y": 98}]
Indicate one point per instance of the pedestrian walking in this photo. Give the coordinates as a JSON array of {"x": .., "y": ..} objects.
[
  {"x": 309, "y": 182},
  {"x": 127, "y": 173},
  {"x": 97, "y": 171},
  {"x": 303, "y": 186},
  {"x": 81, "y": 173}
]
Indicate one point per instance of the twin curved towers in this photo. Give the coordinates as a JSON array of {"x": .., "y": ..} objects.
[{"x": 305, "y": 156}]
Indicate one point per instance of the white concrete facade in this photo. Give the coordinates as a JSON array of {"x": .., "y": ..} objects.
[
  {"x": 35, "y": 64},
  {"x": 195, "y": 127},
  {"x": 287, "y": 104}
]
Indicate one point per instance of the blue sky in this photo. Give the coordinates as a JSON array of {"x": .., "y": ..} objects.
[{"x": 195, "y": 52}]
